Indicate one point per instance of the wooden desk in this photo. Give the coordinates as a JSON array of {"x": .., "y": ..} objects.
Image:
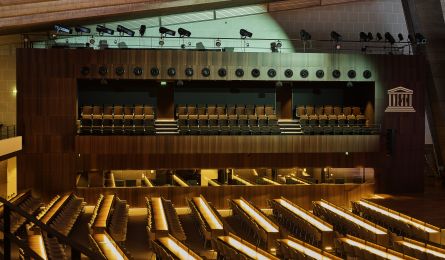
[
  {"x": 271, "y": 229},
  {"x": 108, "y": 247},
  {"x": 177, "y": 249},
  {"x": 209, "y": 216},
  {"x": 307, "y": 249},
  {"x": 245, "y": 248},
  {"x": 326, "y": 230},
  {"x": 51, "y": 213},
  {"x": 160, "y": 220},
  {"x": 36, "y": 243},
  {"x": 100, "y": 224}
]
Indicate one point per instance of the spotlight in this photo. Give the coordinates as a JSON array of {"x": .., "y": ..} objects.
[
  {"x": 279, "y": 44},
  {"x": 389, "y": 38},
  {"x": 81, "y": 29},
  {"x": 363, "y": 37},
  {"x": 273, "y": 47},
  {"x": 411, "y": 39},
  {"x": 218, "y": 43},
  {"x": 335, "y": 36},
  {"x": 125, "y": 30},
  {"x": 400, "y": 36},
  {"x": 379, "y": 36},
  {"x": 245, "y": 34},
  {"x": 102, "y": 29},
  {"x": 161, "y": 42},
  {"x": 142, "y": 30},
  {"x": 61, "y": 28},
  {"x": 370, "y": 37},
  {"x": 305, "y": 36},
  {"x": 184, "y": 33},
  {"x": 420, "y": 39},
  {"x": 166, "y": 31}
]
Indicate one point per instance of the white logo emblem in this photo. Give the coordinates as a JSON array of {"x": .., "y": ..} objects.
[{"x": 400, "y": 100}]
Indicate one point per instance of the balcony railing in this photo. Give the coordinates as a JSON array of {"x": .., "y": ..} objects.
[{"x": 7, "y": 131}]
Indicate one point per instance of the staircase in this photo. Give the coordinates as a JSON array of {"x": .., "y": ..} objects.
[
  {"x": 290, "y": 127},
  {"x": 166, "y": 127}
]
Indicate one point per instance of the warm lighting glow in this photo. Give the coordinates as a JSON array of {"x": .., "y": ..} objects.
[
  {"x": 243, "y": 248},
  {"x": 213, "y": 183},
  {"x": 175, "y": 248},
  {"x": 352, "y": 218},
  {"x": 319, "y": 225},
  {"x": 107, "y": 247},
  {"x": 159, "y": 214},
  {"x": 37, "y": 245},
  {"x": 236, "y": 177},
  {"x": 299, "y": 181},
  {"x": 305, "y": 250},
  {"x": 208, "y": 214},
  {"x": 270, "y": 181},
  {"x": 421, "y": 248},
  {"x": 397, "y": 217},
  {"x": 370, "y": 249},
  {"x": 254, "y": 215},
  {"x": 180, "y": 181},
  {"x": 14, "y": 92}
]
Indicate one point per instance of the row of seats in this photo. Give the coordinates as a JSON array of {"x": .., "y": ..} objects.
[
  {"x": 202, "y": 226},
  {"x": 327, "y": 110},
  {"x": 226, "y": 251},
  {"x": 397, "y": 225},
  {"x": 44, "y": 210},
  {"x": 332, "y": 120},
  {"x": 249, "y": 226},
  {"x": 298, "y": 226},
  {"x": 25, "y": 202},
  {"x": 68, "y": 215},
  {"x": 222, "y": 111},
  {"x": 222, "y": 127},
  {"x": 174, "y": 223},
  {"x": 95, "y": 211},
  {"x": 340, "y": 130},
  {"x": 54, "y": 249},
  {"x": 116, "y": 119},
  {"x": 119, "y": 220}
]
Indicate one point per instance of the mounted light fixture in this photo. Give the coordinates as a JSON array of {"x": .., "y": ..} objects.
[
  {"x": 184, "y": 33},
  {"x": 420, "y": 39},
  {"x": 102, "y": 29},
  {"x": 62, "y": 28},
  {"x": 121, "y": 29},
  {"x": 400, "y": 36},
  {"x": 379, "y": 36},
  {"x": 363, "y": 37},
  {"x": 305, "y": 36},
  {"x": 335, "y": 36},
  {"x": 142, "y": 30},
  {"x": 245, "y": 33},
  {"x": 81, "y": 29},
  {"x": 389, "y": 38},
  {"x": 370, "y": 36},
  {"x": 166, "y": 31}
]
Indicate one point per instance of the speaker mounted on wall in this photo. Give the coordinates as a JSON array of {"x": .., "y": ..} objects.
[
  {"x": 239, "y": 73},
  {"x": 304, "y": 73},
  {"x": 137, "y": 71},
  {"x": 171, "y": 72},
  {"x": 103, "y": 70},
  {"x": 336, "y": 74},
  {"x": 189, "y": 72},
  {"x": 271, "y": 73},
  {"x": 288, "y": 73},
  {"x": 154, "y": 71},
  {"x": 222, "y": 72},
  {"x": 120, "y": 71},
  {"x": 319, "y": 74},
  {"x": 352, "y": 74},
  {"x": 367, "y": 74},
  {"x": 205, "y": 72},
  {"x": 85, "y": 70},
  {"x": 255, "y": 73}
]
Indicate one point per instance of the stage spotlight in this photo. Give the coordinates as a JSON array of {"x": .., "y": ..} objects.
[
  {"x": 245, "y": 34},
  {"x": 184, "y": 33},
  {"x": 363, "y": 37},
  {"x": 273, "y": 47},
  {"x": 81, "y": 29},
  {"x": 411, "y": 39},
  {"x": 279, "y": 44},
  {"x": 142, "y": 30},
  {"x": 102, "y": 29},
  {"x": 305, "y": 36},
  {"x": 61, "y": 28},
  {"x": 121, "y": 29},
  {"x": 389, "y": 38},
  {"x": 379, "y": 36},
  {"x": 420, "y": 39},
  {"x": 335, "y": 36},
  {"x": 370, "y": 37},
  {"x": 166, "y": 31},
  {"x": 400, "y": 36}
]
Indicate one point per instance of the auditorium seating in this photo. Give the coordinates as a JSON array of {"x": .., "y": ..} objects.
[
  {"x": 228, "y": 119},
  {"x": 329, "y": 120},
  {"x": 398, "y": 222},
  {"x": 24, "y": 201},
  {"x": 104, "y": 245},
  {"x": 233, "y": 247},
  {"x": 292, "y": 248},
  {"x": 169, "y": 247},
  {"x": 260, "y": 227},
  {"x": 417, "y": 249},
  {"x": 347, "y": 223},
  {"x": 117, "y": 119}
]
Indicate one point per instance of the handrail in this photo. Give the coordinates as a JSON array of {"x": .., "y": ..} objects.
[{"x": 8, "y": 207}]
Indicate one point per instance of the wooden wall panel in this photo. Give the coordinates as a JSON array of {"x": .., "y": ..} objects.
[
  {"x": 303, "y": 195},
  {"x": 47, "y": 94}
]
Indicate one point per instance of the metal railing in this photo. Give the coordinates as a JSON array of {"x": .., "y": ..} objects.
[
  {"x": 7, "y": 131},
  {"x": 8, "y": 208}
]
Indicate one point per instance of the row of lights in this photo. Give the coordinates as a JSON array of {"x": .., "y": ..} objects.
[{"x": 222, "y": 72}]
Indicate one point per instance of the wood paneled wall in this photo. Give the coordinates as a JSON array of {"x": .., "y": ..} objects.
[
  {"x": 47, "y": 97},
  {"x": 303, "y": 195}
]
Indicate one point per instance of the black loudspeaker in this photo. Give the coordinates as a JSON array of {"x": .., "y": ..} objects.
[
  {"x": 239, "y": 73},
  {"x": 222, "y": 72},
  {"x": 367, "y": 74},
  {"x": 189, "y": 72},
  {"x": 304, "y": 74},
  {"x": 255, "y": 73},
  {"x": 205, "y": 72},
  {"x": 271, "y": 73},
  {"x": 103, "y": 70},
  {"x": 336, "y": 74},
  {"x": 319, "y": 74},
  {"x": 85, "y": 70},
  {"x": 120, "y": 71},
  {"x": 137, "y": 71},
  {"x": 351, "y": 74},
  {"x": 154, "y": 71},
  {"x": 288, "y": 73},
  {"x": 171, "y": 72},
  {"x": 390, "y": 141}
]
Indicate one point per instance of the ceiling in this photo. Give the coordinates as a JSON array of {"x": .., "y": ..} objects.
[{"x": 22, "y": 16}]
